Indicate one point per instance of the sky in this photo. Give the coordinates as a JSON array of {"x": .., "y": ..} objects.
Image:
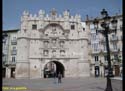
[{"x": 12, "y": 9}]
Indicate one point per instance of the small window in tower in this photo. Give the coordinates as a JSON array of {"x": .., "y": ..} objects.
[
  {"x": 45, "y": 52},
  {"x": 54, "y": 52},
  {"x": 34, "y": 26},
  {"x": 72, "y": 27},
  {"x": 62, "y": 52},
  {"x": 46, "y": 43}
]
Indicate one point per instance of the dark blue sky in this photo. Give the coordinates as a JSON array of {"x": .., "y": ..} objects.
[{"x": 13, "y": 9}]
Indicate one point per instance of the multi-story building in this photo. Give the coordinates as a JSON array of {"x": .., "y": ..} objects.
[
  {"x": 98, "y": 49},
  {"x": 9, "y": 52},
  {"x": 54, "y": 39}
]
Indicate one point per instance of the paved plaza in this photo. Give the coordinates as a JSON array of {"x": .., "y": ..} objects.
[{"x": 50, "y": 84}]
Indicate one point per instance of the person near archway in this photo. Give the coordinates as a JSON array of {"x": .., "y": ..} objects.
[
  {"x": 54, "y": 76},
  {"x": 59, "y": 77}
]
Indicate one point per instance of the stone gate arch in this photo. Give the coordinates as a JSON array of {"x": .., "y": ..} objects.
[{"x": 60, "y": 67}]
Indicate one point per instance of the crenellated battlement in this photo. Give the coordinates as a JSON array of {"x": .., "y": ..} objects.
[{"x": 52, "y": 16}]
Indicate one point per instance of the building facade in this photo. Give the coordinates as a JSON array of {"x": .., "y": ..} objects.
[
  {"x": 98, "y": 50},
  {"x": 9, "y": 53},
  {"x": 52, "y": 39}
]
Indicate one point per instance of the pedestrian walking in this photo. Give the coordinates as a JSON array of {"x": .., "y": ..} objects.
[
  {"x": 59, "y": 77},
  {"x": 54, "y": 76}
]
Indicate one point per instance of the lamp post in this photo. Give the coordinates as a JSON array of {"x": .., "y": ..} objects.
[{"x": 106, "y": 20}]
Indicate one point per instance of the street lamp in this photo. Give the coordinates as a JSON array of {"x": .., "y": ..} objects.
[{"x": 106, "y": 21}]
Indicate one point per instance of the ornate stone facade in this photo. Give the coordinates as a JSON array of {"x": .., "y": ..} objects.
[{"x": 60, "y": 39}]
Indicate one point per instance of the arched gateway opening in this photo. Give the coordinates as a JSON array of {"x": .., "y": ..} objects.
[{"x": 51, "y": 67}]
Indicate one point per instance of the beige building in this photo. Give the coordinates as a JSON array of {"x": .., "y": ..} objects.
[
  {"x": 9, "y": 53},
  {"x": 52, "y": 39},
  {"x": 98, "y": 51}
]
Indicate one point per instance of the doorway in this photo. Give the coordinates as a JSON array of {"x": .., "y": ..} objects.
[
  {"x": 117, "y": 70},
  {"x": 51, "y": 67},
  {"x": 97, "y": 72},
  {"x": 13, "y": 72}
]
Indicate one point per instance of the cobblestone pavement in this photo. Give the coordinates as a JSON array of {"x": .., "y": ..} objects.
[{"x": 68, "y": 84}]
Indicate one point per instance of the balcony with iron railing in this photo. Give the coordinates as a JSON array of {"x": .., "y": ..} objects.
[
  {"x": 96, "y": 51},
  {"x": 12, "y": 63},
  {"x": 113, "y": 39},
  {"x": 117, "y": 50},
  {"x": 9, "y": 63},
  {"x": 14, "y": 42},
  {"x": 103, "y": 51}
]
